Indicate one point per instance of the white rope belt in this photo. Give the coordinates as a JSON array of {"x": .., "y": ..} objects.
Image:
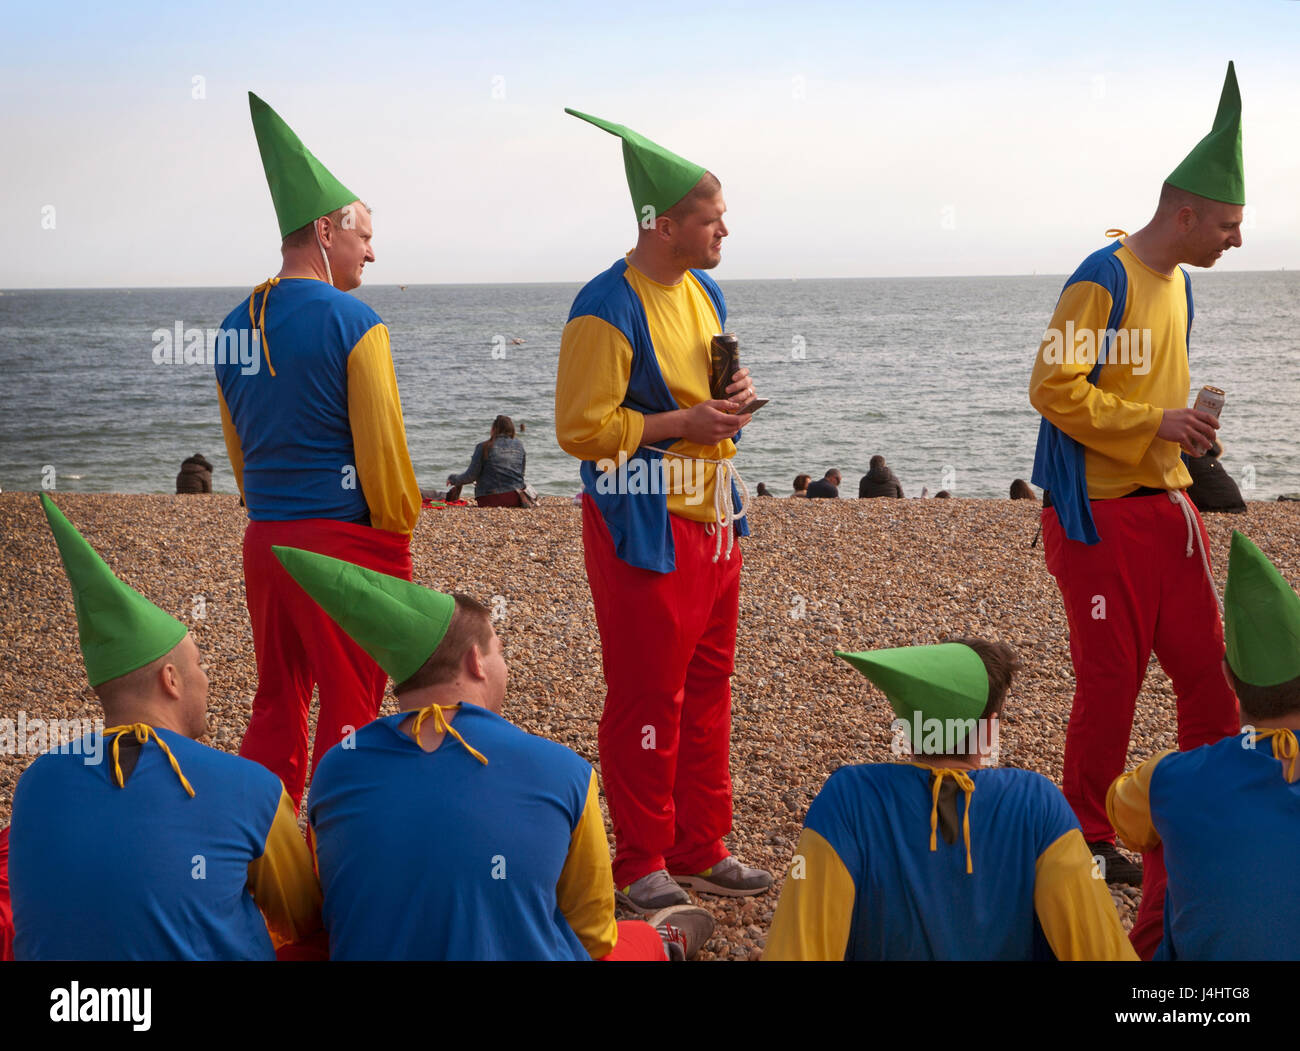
[
  {"x": 725, "y": 513},
  {"x": 1180, "y": 498}
]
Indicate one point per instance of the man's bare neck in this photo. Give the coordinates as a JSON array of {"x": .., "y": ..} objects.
[
  {"x": 657, "y": 269},
  {"x": 1153, "y": 250}
]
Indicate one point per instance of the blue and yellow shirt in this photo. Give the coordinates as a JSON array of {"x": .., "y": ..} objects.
[
  {"x": 1137, "y": 322},
  {"x": 870, "y": 881},
  {"x": 634, "y": 347},
  {"x": 438, "y": 856},
  {"x": 1228, "y": 815},
  {"x": 155, "y": 873},
  {"x": 315, "y": 430}
]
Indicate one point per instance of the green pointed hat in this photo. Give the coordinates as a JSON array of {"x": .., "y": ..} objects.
[
  {"x": 398, "y": 623},
  {"x": 120, "y": 629},
  {"x": 302, "y": 189},
  {"x": 1261, "y": 618},
  {"x": 1214, "y": 168},
  {"x": 947, "y": 681},
  {"x": 657, "y": 177}
]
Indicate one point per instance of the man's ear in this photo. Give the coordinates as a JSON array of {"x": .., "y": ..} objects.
[
  {"x": 472, "y": 664},
  {"x": 169, "y": 681},
  {"x": 325, "y": 231}
]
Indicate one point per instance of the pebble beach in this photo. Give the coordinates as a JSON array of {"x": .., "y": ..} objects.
[{"x": 819, "y": 575}]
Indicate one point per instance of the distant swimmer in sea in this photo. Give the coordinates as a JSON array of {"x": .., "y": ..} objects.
[
  {"x": 1021, "y": 490},
  {"x": 1119, "y": 533},
  {"x": 879, "y": 481},
  {"x": 195, "y": 476},
  {"x": 318, "y": 447},
  {"x": 801, "y": 485},
  {"x": 496, "y": 468}
]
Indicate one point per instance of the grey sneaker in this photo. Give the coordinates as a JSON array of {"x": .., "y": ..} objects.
[
  {"x": 651, "y": 893},
  {"x": 729, "y": 878},
  {"x": 684, "y": 930}
]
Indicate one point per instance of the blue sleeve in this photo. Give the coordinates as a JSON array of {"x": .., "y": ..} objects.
[{"x": 473, "y": 471}]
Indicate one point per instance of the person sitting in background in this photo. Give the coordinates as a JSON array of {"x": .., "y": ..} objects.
[
  {"x": 497, "y": 468},
  {"x": 943, "y": 494},
  {"x": 172, "y": 850},
  {"x": 1021, "y": 490},
  {"x": 762, "y": 489},
  {"x": 1212, "y": 487},
  {"x": 879, "y": 481},
  {"x": 1227, "y": 815},
  {"x": 1010, "y": 879},
  {"x": 487, "y": 840},
  {"x": 801, "y": 485},
  {"x": 826, "y": 487},
  {"x": 195, "y": 476}
]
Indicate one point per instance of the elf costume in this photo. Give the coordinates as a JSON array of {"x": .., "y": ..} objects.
[
  {"x": 316, "y": 440},
  {"x": 1228, "y": 814},
  {"x": 913, "y": 861},
  {"x": 1125, "y": 544},
  {"x": 490, "y": 847},
  {"x": 664, "y": 585},
  {"x": 171, "y": 850}
]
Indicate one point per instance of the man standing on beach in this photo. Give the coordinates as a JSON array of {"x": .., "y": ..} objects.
[
  {"x": 1125, "y": 545},
  {"x": 666, "y": 593},
  {"x": 318, "y": 448}
]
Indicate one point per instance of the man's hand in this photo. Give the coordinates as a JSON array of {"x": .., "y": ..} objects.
[
  {"x": 741, "y": 390},
  {"x": 710, "y": 422},
  {"x": 1190, "y": 428}
]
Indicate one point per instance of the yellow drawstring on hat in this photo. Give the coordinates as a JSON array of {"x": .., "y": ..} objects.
[
  {"x": 965, "y": 783},
  {"x": 443, "y": 727},
  {"x": 1285, "y": 747},
  {"x": 1115, "y": 231},
  {"x": 143, "y": 731},
  {"x": 259, "y": 321}
]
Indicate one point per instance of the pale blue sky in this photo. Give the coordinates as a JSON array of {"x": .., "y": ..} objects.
[{"x": 852, "y": 140}]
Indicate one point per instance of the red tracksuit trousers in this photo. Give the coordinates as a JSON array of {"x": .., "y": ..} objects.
[
  {"x": 668, "y": 642},
  {"x": 1136, "y": 591},
  {"x": 298, "y": 646}
]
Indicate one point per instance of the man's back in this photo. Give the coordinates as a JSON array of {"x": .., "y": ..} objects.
[
  {"x": 898, "y": 900},
  {"x": 141, "y": 872},
  {"x": 434, "y": 855},
  {"x": 824, "y": 488},
  {"x": 295, "y": 434},
  {"x": 1230, "y": 824}
]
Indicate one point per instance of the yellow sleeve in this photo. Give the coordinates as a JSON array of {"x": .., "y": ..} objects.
[
  {"x": 585, "y": 892},
  {"x": 595, "y": 366},
  {"x": 283, "y": 881},
  {"x": 1128, "y": 805},
  {"x": 1074, "y": 907},
  {"x": 1060, "y": 391},
  {"x": 379, "y": 435},
  {"x": 234, "y": 449},
  {"x": 815, "y": 913}
]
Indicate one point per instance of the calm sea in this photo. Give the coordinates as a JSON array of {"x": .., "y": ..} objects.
[{"x": 930, "y": 372}]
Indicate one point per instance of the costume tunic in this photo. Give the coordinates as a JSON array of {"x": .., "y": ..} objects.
[
  {"x": 147, "y": 872},
  {"x": 1228, "y": 816},
  {"x": 438, "y": 856},
  {"x": 866, "y": 885}
]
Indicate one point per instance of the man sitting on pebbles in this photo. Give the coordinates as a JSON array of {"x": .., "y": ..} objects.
[
  {"x": 1228, "y": 814},
  {"x": 488, "y": 842},
  {"x": 867, "y": 883},
  {"x": 169, "y": 849}
]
